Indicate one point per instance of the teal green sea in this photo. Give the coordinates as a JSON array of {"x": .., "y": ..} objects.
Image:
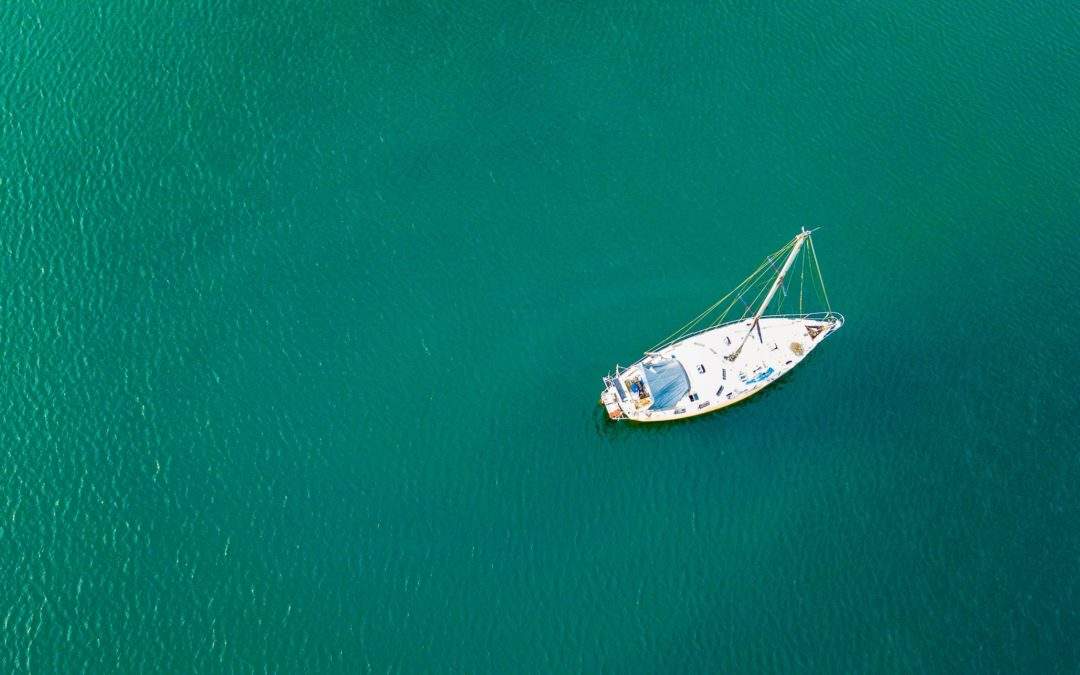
[{"x": 306, "y": 306}]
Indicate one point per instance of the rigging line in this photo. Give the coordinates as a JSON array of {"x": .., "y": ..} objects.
[
  {"x": 774, "y": 256},
  {"x": 746, "y": 305},
  {"x": 756, "y": 278},
  {"x": 748, "y": 280},
  {"x": 748, "y": 284},
  {"x": 686, "y": 327},
  {"x": 814, "y": 286},
  {"x": 821, "y": 279},
  {"x": 740, "y": 291},
  {"x": 699, "y": 317},
  {"x": 769, "y": 284},
  {"x": 720, "y": 317},
  {"x": 783, "y": 298},
  {"x": 802, "y": 278},
  {"x": 750, "y": 307},
  {"x": 783, "y": 288}
]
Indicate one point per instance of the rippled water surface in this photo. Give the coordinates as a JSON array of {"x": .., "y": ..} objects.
[{"x": 305, "y": 307}]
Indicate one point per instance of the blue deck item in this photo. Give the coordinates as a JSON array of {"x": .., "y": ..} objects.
[
  {"x": 668, "y": 383},
  {"x": 760, "y": 377}
]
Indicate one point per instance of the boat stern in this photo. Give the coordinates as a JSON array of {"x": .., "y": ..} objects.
[{"x": 610, "y": 400}]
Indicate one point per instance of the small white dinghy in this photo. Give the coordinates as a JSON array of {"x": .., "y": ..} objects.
[{"x": 699, "y": 370}]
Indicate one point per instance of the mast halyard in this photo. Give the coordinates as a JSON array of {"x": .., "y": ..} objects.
[{"x": 799, "y": 240}]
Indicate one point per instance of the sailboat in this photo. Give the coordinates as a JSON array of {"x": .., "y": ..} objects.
[{"x": 711, "y": 363}]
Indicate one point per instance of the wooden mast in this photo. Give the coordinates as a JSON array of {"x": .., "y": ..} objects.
[{"x": 799, "y": 240}]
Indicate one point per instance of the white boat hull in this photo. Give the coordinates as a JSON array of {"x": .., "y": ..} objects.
[{"x": 716, "y": 382}]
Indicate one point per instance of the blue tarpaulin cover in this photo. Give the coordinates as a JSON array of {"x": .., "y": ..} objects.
[{"x": 667, "y": 382}]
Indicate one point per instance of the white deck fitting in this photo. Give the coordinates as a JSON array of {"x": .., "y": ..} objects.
[{"x": 777, "y": 349}]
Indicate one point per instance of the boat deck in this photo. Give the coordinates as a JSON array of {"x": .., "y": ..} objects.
[{"x": 715, "y": 382}]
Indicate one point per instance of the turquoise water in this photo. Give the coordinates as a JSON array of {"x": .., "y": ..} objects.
[{"x": 306, "y": 307}]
